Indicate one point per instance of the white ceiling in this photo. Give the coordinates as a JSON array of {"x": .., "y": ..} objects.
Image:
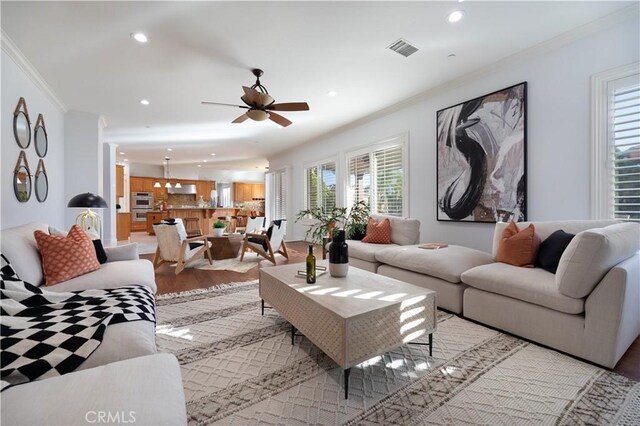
[{"x": 204, "y": 51}]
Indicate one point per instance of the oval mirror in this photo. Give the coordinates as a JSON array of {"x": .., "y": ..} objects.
[
  {"x": 40, "y": 136},
  {"x": 42, "y": 182},
  {"x": 22, "y": 130},
  {"x": 22, "y": 184},
  {"x": 22, "y": 124}
]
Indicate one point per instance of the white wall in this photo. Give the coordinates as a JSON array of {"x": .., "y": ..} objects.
[
  {"x": 204, "y": 173},
  {"x": 83, "y": 159},
  {"x": 558, "y": 145},
  {"x": 146, "y": 170},
  {"x": 15, "y": 84}
]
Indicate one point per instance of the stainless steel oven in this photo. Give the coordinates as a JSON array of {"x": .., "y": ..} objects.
[
  {"x": 139, "y": 215},
  {"x": 142, "y": 200}
]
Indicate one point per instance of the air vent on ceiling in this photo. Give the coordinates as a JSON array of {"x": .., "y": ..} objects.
[{"x": 403, "y": 47}]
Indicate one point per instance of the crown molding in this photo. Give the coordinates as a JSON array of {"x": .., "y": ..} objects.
[
  {"x": 27, "y": 67},
  {"x": 600, "y": 24}
]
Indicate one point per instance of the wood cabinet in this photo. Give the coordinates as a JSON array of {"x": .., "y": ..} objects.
[
  {"x": 155, "y": 217},
  {"x": 119, "y": 181},
  {"x": 247, "y": 191},
  {"x": 135, "y": 184},
  {"x": 160, "y": 193},
  {"x": 203, "y": 189},
  {"x": 123, "y": 226}
]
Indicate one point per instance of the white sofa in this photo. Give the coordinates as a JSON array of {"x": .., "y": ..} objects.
[
  {"x": 590, "y": 308},
  {"x": 124, "y": 371}
]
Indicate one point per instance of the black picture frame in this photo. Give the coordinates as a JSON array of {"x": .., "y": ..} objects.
[{"x": 463, "y": 154}]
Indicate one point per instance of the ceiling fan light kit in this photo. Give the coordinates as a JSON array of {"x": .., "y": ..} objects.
[{"x": 260, "y": 105}]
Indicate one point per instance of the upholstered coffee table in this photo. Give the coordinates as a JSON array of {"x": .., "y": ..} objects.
[{"x": 350, "y": 319}]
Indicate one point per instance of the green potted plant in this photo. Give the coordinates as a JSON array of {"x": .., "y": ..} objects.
[
  {"x": 218, "y": 228},
  {"x": 357, "y": 220},
  {"x": 322, "y": 222}
]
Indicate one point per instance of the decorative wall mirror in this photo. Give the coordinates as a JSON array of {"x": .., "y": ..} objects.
[
  {"x": 22, "y": 125},
  {"x": 22, "y": 179},
  {"x": 41, "y": 180},
  {"x": 40, "y": 138}
]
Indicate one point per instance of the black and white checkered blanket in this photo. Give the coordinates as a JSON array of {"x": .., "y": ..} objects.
[{"x": 45, "y": 334}]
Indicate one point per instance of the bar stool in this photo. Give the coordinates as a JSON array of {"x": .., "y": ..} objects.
[{"x": 192, "y": 225}]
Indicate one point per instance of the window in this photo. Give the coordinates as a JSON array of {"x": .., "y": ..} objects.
[
  {"x": 320, "y": 186},
  {"x": 277, "y": 195},
  {"x": 377, "y": 175},
  {"x": 617, "y": 145}
]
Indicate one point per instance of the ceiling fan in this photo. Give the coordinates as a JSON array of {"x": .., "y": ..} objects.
[{"x": 260, "y": 105}]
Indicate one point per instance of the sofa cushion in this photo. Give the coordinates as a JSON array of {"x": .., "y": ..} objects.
[
  {"x": 446, "y": 263},
  {"x": 518, "y": 247},
  {"x": 112, "y": 275},
  {"x": 551, "y": 250},
  {"x": 592, "y": 253},
  {"x": 150, "y": 387},
  {"x": 378, "y": 232},
  {"x": 20, "y": 248},
  {"x": 364, "y": 251},
  {"x": 532, "y": 285},
  {"x": 404, "y": 231},
  {"x": 67, "y": 257}
]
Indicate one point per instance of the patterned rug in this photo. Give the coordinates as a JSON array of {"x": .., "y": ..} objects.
[{"x": 239, "y": 367}]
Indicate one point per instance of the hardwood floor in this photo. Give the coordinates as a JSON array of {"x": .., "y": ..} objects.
[{"x": 189, "y": 279}]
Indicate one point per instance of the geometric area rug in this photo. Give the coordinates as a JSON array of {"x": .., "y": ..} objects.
[{"x": 239, "y": 367}]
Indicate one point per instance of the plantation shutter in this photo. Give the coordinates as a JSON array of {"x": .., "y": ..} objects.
[
  {"x": 328, "y": 186},
  {"x": 311, "y": 187},
  {"x": 359, "y": 179},
  {"x": 389, "y": 178},
  {"x": 280, "y": 189},
  {"x": 625, "y": 152}
]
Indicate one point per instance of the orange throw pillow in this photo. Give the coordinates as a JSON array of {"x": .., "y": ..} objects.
[
  {"x": 518, "y": 247},
  {"x": 67, "y": 257},
  {"x": 378, "y": 232}
]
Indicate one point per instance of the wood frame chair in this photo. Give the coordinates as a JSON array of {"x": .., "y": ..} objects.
[
  {"x": 175, "y": 247},
  {"x": 274, "y": 243}
]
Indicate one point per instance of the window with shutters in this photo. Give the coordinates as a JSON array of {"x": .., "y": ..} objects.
[
  {"x": 320, "y": 185},
  {"x": 617, "y": 145},
  {"x": 276, "y": 195},
  {"x": 377, "y": 175}
]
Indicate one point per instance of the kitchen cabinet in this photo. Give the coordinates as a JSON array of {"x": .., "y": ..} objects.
[
  {"x": 147, "y": 184},
  {"x": 119, "y": 181},
  {"x": 243, "y": 192},
  {"x": 161, "y": 193},
  {"x": 135, "y": 184},
  {"x": 203, "y": 189},
  {"x": 123, "y": 226},
  {"x": 155, "y": 217}
]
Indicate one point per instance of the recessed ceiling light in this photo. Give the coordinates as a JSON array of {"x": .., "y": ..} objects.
[
  {"x": 455, "y": 16},
  {"x": 451, "y": 55},
  {"x": 169, "y": 149},
  {"x": 204, "y": 161},
  {"x": 122, "y": 153},
  {"x": 139, "y": 37},
  {"x": 199, "y": 165},
  {"x": 144, "y": 102},
  {"x": 125, "y": 159},
  {"x": 332, "y": 93},
  {"x": 213, "y": 154},
  {"x": 460, "y": 1}
]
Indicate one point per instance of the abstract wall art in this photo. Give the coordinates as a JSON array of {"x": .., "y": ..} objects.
[{"x": 481, "y": 156}]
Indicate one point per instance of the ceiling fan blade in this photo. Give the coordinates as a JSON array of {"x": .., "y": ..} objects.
[
  {"x": 240, "y": 119},
  {"x": 252, "y": 95},
  {"x": 278, "y": 119},
  {"x": 289, "y": 106},
  {"x": 218, "y": 103}
]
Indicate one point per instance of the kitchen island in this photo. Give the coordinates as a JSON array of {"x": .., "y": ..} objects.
[{"x": 206, "y": 215}]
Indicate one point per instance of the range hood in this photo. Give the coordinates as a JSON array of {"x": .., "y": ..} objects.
[{"x": 186, "y": 189}]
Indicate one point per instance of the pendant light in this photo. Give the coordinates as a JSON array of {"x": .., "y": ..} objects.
[{"x": 168, "y": 184}]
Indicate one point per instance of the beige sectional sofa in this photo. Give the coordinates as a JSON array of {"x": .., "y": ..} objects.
[
  {"x": 124, "y": 371},
  {"x": 590, "y": 308}
]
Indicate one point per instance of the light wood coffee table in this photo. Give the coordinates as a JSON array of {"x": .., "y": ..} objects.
[{"x": 350, "y": 319}]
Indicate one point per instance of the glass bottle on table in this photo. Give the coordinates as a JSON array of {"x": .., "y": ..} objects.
[{"x": 311, "y": 266}]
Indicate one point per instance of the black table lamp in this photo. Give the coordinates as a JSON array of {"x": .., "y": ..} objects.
[{"x": 88, "y": 220}]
